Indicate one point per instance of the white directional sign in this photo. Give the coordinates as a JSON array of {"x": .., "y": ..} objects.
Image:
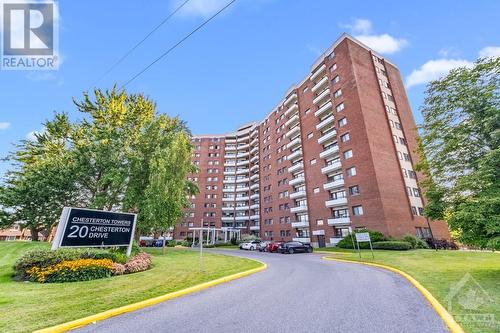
[{"x": 362, "y": 237}]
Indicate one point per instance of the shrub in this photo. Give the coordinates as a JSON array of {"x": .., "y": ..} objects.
[
  {"x": 392, "y": 245},
  {"x": 416, "y": 243},
  {"x": 347, "y": 242},
  {"x": 138, "y": 263},
  {"x": 72, "y": 270},
  {"x": 171, "y": 243},
  {"x": 442, "y": 244},
  {"x": 118, "y": 269}
]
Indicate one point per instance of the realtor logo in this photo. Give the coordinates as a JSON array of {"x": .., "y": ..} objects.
[{"x": 29, "y": 35}]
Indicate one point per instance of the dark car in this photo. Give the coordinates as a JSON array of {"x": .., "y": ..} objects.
[{"x": 293, "y": 247}]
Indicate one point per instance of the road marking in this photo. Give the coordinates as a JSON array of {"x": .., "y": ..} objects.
[{"x": 440, "y": 310}]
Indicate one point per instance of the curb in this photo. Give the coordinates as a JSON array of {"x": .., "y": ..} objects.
[
  {"x": 440, "y": 310},
  {"x": 148, "y": 302}
]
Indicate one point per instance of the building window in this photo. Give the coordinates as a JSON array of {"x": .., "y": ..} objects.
[
  {"x": 344, "y": 137},
  {"x": 312, "y": 162},
  {"x": 340, "y": 107},
  {"x": 342, "y": 122},
  {"x": 357, "y": 210},
  {"x": 336, "y": 79},
  {"x": 319, "y": 222},
  {"x": 351, "y": 171},
  {"x": 338, "y": 93},
  {"x": 354, "y": 190},
  {"x": 347, "y": 154},
  {"x": 310, "y": 135},
  {"x": 414, "y": 210},
  {"x": 316, "y": 190},
  {"x": 333, "y": 67},
  {"x": 307, "y": 111}
]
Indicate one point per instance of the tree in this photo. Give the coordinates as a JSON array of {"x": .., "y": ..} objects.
[
  {"x": 461, "y": 145},
  {"x": 43, "y": 182},
  {"x": 121, "y": 156}
]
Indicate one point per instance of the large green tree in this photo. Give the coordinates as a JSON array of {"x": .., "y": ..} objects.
[
  {"x": 461, "y": 144},
  {"x": 122, "y": 156}
]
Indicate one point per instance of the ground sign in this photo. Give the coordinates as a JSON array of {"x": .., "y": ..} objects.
[
  {"x": 363, "y": 237},
  {"x": 80, "y": 227}
]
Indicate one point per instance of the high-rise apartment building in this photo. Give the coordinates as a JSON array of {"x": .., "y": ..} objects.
[{"x": 337, "y": 152}]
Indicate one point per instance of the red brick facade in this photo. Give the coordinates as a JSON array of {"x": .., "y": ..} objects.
[{"x": 337, "y": 153}]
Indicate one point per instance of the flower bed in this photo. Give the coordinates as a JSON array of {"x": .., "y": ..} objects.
[{"x": 64, "y": 265}]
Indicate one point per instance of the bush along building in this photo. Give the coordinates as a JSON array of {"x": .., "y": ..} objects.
[{"x": 337, "y": 152}]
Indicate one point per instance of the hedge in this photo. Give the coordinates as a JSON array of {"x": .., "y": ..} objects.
[
  {"x": 392, "y": 245},
  {"x": 347, "y": 242}
]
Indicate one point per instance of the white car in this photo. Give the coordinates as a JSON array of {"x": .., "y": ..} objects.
[{"x": 250, "y": 245}]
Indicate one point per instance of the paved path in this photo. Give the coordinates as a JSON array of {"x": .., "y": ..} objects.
[{"x": 297, "y": 293}]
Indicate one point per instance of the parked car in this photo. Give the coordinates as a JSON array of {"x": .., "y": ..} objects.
[
  {"x": 293, "y": 247},
  {"x": 250, "y": 245},
  {"x": 273, "y": 246},
  {"x": 263, "y": 246}
]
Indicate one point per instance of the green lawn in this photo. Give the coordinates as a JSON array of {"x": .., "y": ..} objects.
[
  {"x": 26, "y": 306},
  {"x": 440, "y": 271}
]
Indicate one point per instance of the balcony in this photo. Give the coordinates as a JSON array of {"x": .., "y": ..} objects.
[
  {"x": 317, "y": 72},
  {"x": 229, "y": 173},
  {"x": 254, "y": 158},
  {"x": 328, "y": 121},
  {"x": 254, "y": 206},
  {"x": 241, "y": 163},
  {"x": 339, "y": 221},
  {"x": 228, "y": 181},
  {"x": 330, "y": 168},
  {"x": 228, "y": 189},
  {"x": 242, "y": 189},
  {"x": 290, "y": 99},
  {"x": 298, "y": 194},
  {"x": 255, "y": 227},
  {"x": 229, "y": 164},
  {"x": 242, "y": 180},
  {"x": 230, "y": 148},
  {"x": 244, "y": 198},
  {"x": 230, "y": 156},
  {"x": 227, "y": 218},
  {"x": 243, "y": 154},
  {"x": 330, "y": 135},
  {"x": 301, "y": 224},
  {"x": 242, "y": 171},
  {"x": 254, "y": 186},
  {"x": 291, "y": 110},
  {"x": 254, "y": 177},
  {"x": 294, "y": 143},
  {"x": 229, "y": 141},
  {"x": 322, "y": 96},
  {"x": 255, "y": 217},
  {"x": 254, "y": 132},
  {"x": 296, "y": 181},
  {"x": 242, "y": 218},
  {"x": 296, "y": 167},
  {"x": 254, "y": 150},
  {"x": 336, "y": 202},
  {"x": 254, "y": 196},
  {"x": 294, "y": 131},
  {"x": 302, "y": 239},
  {"x": 333, "y": 184},
  {"x": 242, "y": 207},
  {"x": 299, "y": 209},
  {"x": 292, "y": 121},
  {"x": 294, "y": 155},
  {"x": 329, "y": 152},
  {"x": 243, "y": 147},
  {"x": 226, "y": 209},
  {"x": 254, "y": 167},
  {"x": 321, "y": 83},
  {"x": 324, "y": 108},
  {"x": 228, "y": 199}
]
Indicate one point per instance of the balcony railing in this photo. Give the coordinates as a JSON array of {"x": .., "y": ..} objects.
[
  {"x": 321, "y": 83},
  {"x": 300, "y": 224},
  {"x": 331, "y": 167},
  {"x": 336, "y": 202},
  {"x": 296, "y": 154},
  {"x": 296, "y": 181},
  {"x": 330, "y": 135},
  {"x": 329, "y": 152},
  {"x": 339, "y": 221},
  {"x": 299, "y": 209},
  {"x": 317, "y": 72},
  {"x": 324, "y": 108},
  {"x": 291, "y": 110},
  {"x": 333, "y": 184},
  {"x": 296, "y": 167},
  {"x": 298, "y": 194},
  {"x": 323, "y": 95},
  {"x": 327, "y": 121}
]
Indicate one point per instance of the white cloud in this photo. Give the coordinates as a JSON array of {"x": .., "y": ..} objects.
[
  {"x": 433, "y": 70},
  {"x": 203, "y": 8},
  {"x": 362, "y": 29},
  {"x": 4, "y": 125},
  {"x": 490, "y": 51}
]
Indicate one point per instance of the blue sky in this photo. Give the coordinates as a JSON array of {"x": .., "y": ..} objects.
[{"x": 239, "y": 66}]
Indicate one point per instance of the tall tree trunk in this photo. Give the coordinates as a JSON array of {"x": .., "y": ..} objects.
[{"x": 34, "y": 234}]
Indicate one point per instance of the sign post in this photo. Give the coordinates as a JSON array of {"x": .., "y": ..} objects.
[
  {"x": 81, "y": 227},
  {"x": 364, "y": 237}
]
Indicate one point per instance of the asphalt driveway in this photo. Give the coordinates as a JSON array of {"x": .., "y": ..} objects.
[{"x": 297, "y": 293}]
